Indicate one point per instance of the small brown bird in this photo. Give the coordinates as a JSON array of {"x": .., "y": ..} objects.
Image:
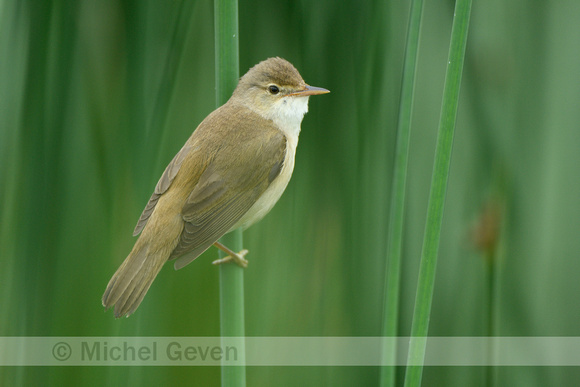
[{"x": 229, "y": 174}]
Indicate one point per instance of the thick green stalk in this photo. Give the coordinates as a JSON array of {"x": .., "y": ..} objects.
[
  {"x": 395, "y": 239},
  {"x": 231, "y": 275},
  {"x": 232, "y": 310},
  {"x": 226, "y": 48},
  {"x": 430, "y": 249}
]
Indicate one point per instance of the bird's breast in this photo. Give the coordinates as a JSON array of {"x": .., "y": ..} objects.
[{"x": 274, "y": 191}]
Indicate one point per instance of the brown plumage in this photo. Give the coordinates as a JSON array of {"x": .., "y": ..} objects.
[{"x": 237, "y": 157}]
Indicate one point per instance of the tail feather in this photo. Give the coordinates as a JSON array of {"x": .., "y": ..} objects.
[{"x": 132, "y": 280}]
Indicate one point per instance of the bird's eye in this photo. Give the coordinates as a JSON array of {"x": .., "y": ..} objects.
[{"x": 273, "y": 89}]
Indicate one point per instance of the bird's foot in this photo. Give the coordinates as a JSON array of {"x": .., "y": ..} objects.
[{"x": 238, "y": 258}]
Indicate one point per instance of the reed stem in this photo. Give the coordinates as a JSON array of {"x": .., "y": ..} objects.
[
  {"x": 231, "y": 275},
  {"x": 424, "y": 297},
  {"x": 395, "y": 230}
]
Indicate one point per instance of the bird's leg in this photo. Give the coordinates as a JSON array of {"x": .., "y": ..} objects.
[{"x": 232, "y": 256}]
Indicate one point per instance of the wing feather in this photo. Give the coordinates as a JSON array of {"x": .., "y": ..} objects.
[
  {"x": 219, "y": 174},
  {"x": 229, "y": 186},
  {"x": 162, "y": 185}
]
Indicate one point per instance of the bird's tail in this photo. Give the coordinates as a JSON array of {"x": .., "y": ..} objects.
[{"x": 133, "y": 278}]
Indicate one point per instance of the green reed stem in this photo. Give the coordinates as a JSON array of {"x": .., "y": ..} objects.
[
  {"x": 231, "y": 275},
  {"x": 439, "y": 180},
  {"x": 395, "y": 238}
]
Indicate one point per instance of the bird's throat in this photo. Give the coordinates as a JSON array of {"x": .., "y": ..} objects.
[{"x": 287, "y": 114}]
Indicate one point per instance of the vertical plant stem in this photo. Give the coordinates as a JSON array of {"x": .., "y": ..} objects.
[
  {"x": 395, "y": 238},
  {"x": 232, "y": 311},
  {"x": 491, "y": 284},
  {"x": 231, "y": 275},
  {"x": 424, "y": 297},
  {"x": 226, "y": 48}
]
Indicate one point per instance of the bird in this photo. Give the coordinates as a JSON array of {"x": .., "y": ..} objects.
[{"x": 228, "y": 175}]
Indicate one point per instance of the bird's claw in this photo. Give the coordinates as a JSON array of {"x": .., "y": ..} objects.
[{"x": 238, "y": 258}]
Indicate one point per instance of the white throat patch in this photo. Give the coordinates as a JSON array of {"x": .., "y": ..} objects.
[{"x": 288, "y": 113}]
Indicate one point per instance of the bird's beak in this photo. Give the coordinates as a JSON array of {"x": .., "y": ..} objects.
[{"x": 309, "y": 90}]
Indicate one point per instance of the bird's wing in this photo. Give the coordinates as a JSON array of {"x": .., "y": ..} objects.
[
  {"x": 162, "y": 186},
  {"x": 249, "y": 158}
]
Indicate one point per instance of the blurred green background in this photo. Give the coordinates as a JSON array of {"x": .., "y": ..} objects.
[{"x": 97, "y": 96}]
